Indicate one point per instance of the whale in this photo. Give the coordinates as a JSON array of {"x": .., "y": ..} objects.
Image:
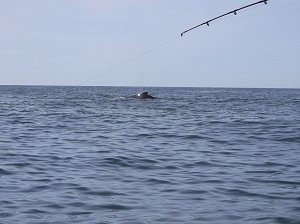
[{"x": 144, "y": 95}]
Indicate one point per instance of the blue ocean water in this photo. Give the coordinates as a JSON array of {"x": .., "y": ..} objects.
[{"x": 193, "y": 155}]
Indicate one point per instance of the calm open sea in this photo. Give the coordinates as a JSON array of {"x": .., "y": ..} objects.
[{"x": 193, "y": 155}]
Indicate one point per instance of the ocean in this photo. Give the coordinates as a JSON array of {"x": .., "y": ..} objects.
[{"x": 192, "y": 155}]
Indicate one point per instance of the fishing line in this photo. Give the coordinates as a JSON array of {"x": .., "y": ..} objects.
[
  {"x": 208, "y": 22},
  {"x": 131, "y": 59}
]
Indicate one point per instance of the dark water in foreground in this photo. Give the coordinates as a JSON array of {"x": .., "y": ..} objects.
[{"x": 194, "y": 155}]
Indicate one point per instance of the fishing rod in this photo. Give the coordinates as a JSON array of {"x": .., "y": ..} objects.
[
  {"x": 226, "y": 14},
  {"x": 168, "y": 42}
]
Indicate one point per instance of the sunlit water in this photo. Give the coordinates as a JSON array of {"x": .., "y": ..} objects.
[{"x": 193, "y": 155}]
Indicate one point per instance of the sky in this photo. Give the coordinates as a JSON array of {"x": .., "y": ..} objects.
[{"x": 115, "y": 43}]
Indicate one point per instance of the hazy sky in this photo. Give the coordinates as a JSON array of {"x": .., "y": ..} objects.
[{"x": 68, "y": 42}]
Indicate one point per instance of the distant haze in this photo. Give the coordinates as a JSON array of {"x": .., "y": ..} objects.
[{"x": 68, "y": 42}]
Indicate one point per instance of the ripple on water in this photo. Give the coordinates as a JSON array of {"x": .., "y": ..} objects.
[
  {"x": 111, "y": 207},
  {"x": 35, "y": 211},
  {"x": 19, "y": 164},
  {"x": 104, "y": 193},
  {"x": 36, "y": 189},
  {"x": 245, "y": 193},
  {"x": 193, "y": 192},
  {"x": 126, "y": 162},
  {"x": 4, "y": 215},
  {"x": 55, "y": 206},
  {"x": 76, "y": 204},
  {"x": 156, "y": 181},
  {"x": 5, "y": 172},
  {"x": 285, "y": 220},
  {"x": 78, "y": 213}
]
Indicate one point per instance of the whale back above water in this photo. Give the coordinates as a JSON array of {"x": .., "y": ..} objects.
[{"x": 145, "y": 95}]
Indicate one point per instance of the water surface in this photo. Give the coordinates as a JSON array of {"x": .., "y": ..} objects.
[{"x": 193, "y": 155}]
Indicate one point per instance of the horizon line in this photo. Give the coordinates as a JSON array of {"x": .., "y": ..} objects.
[{"x": 136, "y": 86}]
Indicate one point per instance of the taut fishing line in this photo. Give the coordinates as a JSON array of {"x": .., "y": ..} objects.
[
  {"x": 131, "y": 59},
  {"x": 163, "y": 44}
]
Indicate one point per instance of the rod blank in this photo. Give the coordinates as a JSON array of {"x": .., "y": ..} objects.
[{"x": 226, "y": 14}]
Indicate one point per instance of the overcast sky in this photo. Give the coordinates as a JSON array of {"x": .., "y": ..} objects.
[{"x": 69, "y": 42}]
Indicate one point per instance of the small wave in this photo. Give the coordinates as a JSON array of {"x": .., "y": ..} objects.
[
  {"x": 232, "y": 217},
  {"x": 76, "y": 204},
  {"x": 193, "y": 192},
  {"x": 104, "y": 193},
  {"x": 262, "y": 171},
  {"x": 59, "y": 158},
  {"x": 284, "y": 220},
  {"x": 244, "y": 193},
  {"x": 199, "y": 164},
  {"x": 122, "y": 161},
  {"x": 213, "y": 181},
  {"x": 205, "y": 164},
  {"x": 6, "y": 202},
  {"x": 295, "y": 139},
  {"x": 54, "y": 206},
  {"x": 19, "y": 165},
  {"x": 116, "y": 207},
  {"x": 6, "y": 215},
  {"x": 77, "y": 213},
  {"x": 171, "y": 167},
  {"x": 279, "y": 182},
  {"x": 36, "y": 189},
  {"x": 62, "y": 185},
  {"x": 35, "y": 211},
  {"x": 81, "y": 189},
  {"x": 271, "y": 164},
  {"x": 145, "y": 135},
  {"x": 39, "y": 180},
  {"x": 297, "y": 209},
  {"x": 4, "y": 172},
  {"x": 155, "y": 181},
  {"x": 193, "y": 137}
]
